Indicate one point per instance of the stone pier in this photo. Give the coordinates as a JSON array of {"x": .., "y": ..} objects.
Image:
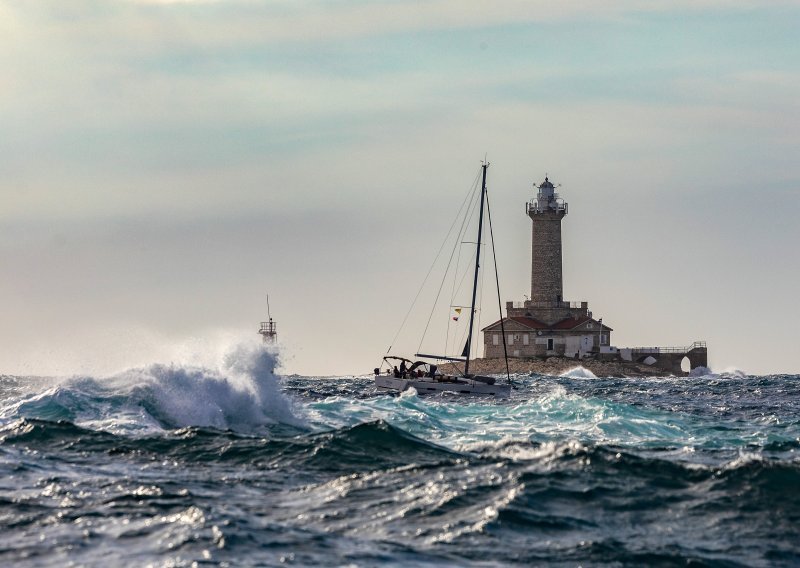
[{"x": 669, "y": 359}]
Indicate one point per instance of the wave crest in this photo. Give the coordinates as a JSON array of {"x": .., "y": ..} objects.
[
  {"x": 578, "y": 373},
  {"x": 242, "y": 394}
]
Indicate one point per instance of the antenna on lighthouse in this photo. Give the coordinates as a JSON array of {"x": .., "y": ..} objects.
[{"x": 269, "y": 329}]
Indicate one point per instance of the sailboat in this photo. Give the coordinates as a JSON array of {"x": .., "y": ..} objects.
[{"x": 423, "y": 375}]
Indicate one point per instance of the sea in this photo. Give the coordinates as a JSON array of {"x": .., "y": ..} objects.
[{"x": 235, "y": 464}]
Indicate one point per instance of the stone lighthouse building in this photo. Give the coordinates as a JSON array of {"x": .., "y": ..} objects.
[{"x": 546, "y": 324}]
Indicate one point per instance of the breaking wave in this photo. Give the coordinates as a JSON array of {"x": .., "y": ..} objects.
[
  {"x": 609, "y": 471},
  {"x": 241, "y": 394},
  {"x": 578, "y": 373}
]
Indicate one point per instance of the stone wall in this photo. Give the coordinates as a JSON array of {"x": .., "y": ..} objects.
[
  {"x": 564, "y": 344},
  {"x": 519, "y": 349},
  {"x": 669, "y": 361}
]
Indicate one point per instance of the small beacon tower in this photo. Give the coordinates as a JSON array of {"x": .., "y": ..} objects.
[
  {"x": 269, "y": 329},
  {"x": 546, "y": 211}
]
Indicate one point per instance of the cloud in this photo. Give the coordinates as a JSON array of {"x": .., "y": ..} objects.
[
  {"x": 210, "y": 130},
  {"x": 145, "y": 24}
]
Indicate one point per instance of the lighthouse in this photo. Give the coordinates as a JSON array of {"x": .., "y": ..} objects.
[
  {"x": 546, "y": 211},
  {"x": 546, "y": 325},
  {"x": 268, "y": 329}
]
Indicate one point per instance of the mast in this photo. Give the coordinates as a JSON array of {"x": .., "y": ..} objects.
[
  {"x": 497, "y": 284},
  {"x": 468, "y": 347}
]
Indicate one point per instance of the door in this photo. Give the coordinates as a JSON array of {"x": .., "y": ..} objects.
[{"x": 586, "y": 344}]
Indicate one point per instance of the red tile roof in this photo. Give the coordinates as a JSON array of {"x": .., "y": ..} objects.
[
  {"x": 566, "y": 323},
  {"x": 527, "y": 322},
  {"x": 571, "y": 323}
]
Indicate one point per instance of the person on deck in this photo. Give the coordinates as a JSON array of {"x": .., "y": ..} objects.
[{"x": 403, "y": 368}]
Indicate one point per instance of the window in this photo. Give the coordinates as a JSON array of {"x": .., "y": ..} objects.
[
  {"x": 550, "y": 344},
  {"x": 495, "y": 339},
  {"x": 603, "y": 339},
  {"x": 511, "y": 340},
  {"x": 525, "y": 339}
]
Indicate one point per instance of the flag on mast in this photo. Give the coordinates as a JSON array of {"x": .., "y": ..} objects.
[{"x": 458, "y": 313}]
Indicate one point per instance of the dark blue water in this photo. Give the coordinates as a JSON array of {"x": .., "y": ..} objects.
[{"x": 181, "y": 465}]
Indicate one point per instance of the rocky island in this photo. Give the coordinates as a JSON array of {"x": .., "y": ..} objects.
[{"x": 556, "y": 366}]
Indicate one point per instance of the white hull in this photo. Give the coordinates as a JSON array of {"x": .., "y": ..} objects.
[{"x": 425, "y": 385}]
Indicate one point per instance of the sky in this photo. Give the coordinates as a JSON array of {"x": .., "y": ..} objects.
[{"x": 164, "y": 165}]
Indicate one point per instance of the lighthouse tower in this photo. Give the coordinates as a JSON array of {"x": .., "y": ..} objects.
[
  {"x": 546, "y": 325},
  {"x": 546, "y": 211}
]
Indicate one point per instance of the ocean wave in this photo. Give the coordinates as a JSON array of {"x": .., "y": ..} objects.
[
  {"x": 241, "y": 394},
  {"x": 578, "y": 373},
  {"x": 182, "y": 463},
  {"x": 700, "y": 372},
  {"x": 367, "y": 446},
  {"x": 377, "y": 482},
  {"x": 627, "y": 413}
]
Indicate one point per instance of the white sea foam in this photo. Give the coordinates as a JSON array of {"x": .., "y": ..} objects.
[
  {"x": 410, "y": 392},
  {"x": 733, "y": 372},
  {"x": 726, "y": 372},
  {"x": 241, "y": 393},
  {"x": 578, "y": 373},
  {"x": 743, "y": 459},
  {"x": 475, "y": 424}
]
